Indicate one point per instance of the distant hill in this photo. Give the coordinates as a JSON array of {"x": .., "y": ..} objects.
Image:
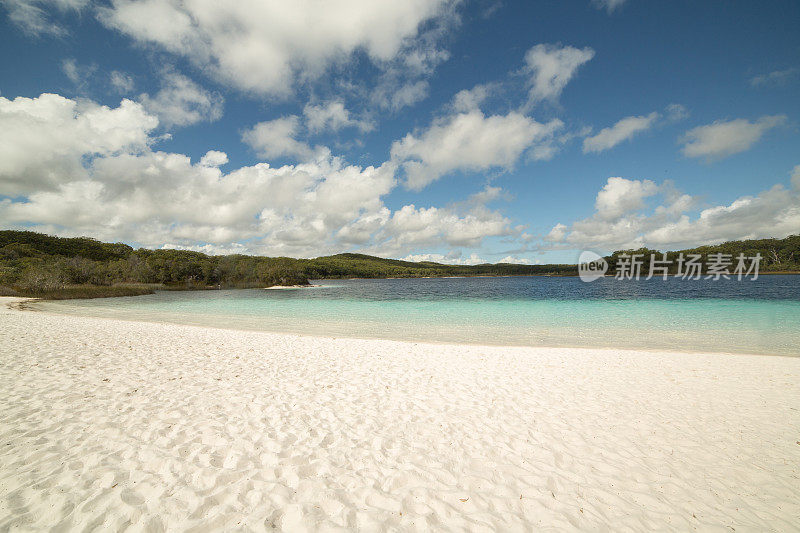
[{"x": 43, "y": 265}]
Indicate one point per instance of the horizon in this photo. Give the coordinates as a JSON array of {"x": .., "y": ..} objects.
[
  {"x": 453, "y": 132},
  {"x": 576, "y": 264}
]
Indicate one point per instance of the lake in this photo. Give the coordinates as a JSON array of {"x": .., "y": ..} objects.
[{"x": 761, "y": 316}]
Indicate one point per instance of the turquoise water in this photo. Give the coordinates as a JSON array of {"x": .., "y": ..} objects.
[{"x": 760, "y": 316}]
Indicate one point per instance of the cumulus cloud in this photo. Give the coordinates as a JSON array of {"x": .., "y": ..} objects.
[
  {"x": 622, "y": 220},
  {"x": 514, "y": 260},
  {"x": 623, "y": 130},
  {"x": 33, "y": 18},
  {"x": 181, "y": 102},
  {"x": 550, "y": 67},
  {"x": 620, "y": 196},
  {"x": 277, "y": 138},
  {"x": 469, "y": 141},
  {"x": 412, "y": 227},
  {"x": 724, "y": 138},
  {"x": 267, "y": 47},
  {"x": 449, "y": 259},
  {"x": 74, "y": 168},
  {"x": 332, "y": 116},
  {"x": 45, "y": 140},
  {"x": 214, "y": 158}
]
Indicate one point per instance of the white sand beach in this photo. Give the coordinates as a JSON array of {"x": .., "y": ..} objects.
[{"x": 107, "y": 424}]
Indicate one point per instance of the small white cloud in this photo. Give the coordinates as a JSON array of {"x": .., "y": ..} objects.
[
  {"x": 332, "y": 116},
  {"x": 623, "y": 130},
  {"x": 471, "y": 99},
  {"x": 608, "y": 5},
  {"x": 122, "y": 82},
  {"x": 395, "y": 98},
  {"x": 181, "y": 102},
  {"x": 469, "y": 141},
  {"x": 78, "y": 74},
  {"x": 551, "y": 67},
  {"x": 677, "y": 112},
  {"x": 214, "y": 158},
  {"x": 514, "y": 260},
  {"x": 620, "y": 196},
  {"x": 449, "y": 259},
  {"x": 277, "y": 138},
  {"x": 724, "y": 138},
  {"x": 776, "y": 78}
]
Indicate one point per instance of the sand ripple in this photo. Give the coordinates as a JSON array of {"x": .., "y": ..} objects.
[{"x": 113, "y": 425}]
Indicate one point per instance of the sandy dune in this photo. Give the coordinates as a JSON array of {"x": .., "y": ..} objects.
[{"x": 110, "y": 424}]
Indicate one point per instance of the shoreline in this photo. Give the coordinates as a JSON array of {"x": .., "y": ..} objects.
[
  {"x": 30, "y": 304},
  {"x": 164, "y": 426}
]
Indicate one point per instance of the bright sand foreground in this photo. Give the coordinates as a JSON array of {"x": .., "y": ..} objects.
[{"x": 109, "y": 424}]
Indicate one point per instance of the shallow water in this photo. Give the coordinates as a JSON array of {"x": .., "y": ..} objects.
[{"x": 761, "y": 316}]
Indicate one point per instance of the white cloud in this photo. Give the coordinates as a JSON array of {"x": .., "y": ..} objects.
[
  {"x": 608, "y": 5},
  {"x": 550, "y": 67},
  {"x": 78, "y": 74},
  {"x": 121, "y": 82},
  {"x": 277, "y": 138},
  {"x": 468, "y": 141},
  {"x": 181, "y": 102},
  {"x": 796, "y": 177},
  {"x": 74, "y": 168},
  {"x": 332, "y": 116},
  {"x": 471, "y": 99},
  {"x": 514, "y": 260},
  {"x": 622, "y": 221},
  {"x": 676, "y": 112},
  {"x": 44, "y": 140},
  {"x": 32, "y": 15},
  {"x": 448, "y": 259},
  {"x": 393, "y": 97},
  {"x": 214, "y": 158},
  {"x": 268, "y": 47},
  {"x": 623, "y": 130},
  {"x": 620, "y": 196},
  {"x": 776, "y": 78},
  {"x": 412, "y": 227},
  {"x": 721, "y": 139}
]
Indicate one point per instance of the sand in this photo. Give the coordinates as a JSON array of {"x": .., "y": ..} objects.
[{"x": 112, "y": 424}]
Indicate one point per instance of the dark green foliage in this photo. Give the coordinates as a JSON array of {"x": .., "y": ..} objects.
[
  {"x": 74, "y": 247},
  {"x": 33, "y": 264},
  {"x": 777, "y": 255}
]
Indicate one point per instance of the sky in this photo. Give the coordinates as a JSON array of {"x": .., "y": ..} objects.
[{"x": 455, "y": 131}]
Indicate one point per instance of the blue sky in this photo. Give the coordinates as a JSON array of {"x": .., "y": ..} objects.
[{"x": 456, "y": 131}]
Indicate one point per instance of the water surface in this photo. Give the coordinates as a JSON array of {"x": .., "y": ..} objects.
[{"x": 761, "y": 316}]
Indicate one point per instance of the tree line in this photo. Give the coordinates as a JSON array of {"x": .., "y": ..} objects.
[{"x": 35, "y": 264}]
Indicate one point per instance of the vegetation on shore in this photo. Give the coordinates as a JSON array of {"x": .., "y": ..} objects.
[
  {"x": 38, "y": 265},
  {"x": 777, "y": 255}
]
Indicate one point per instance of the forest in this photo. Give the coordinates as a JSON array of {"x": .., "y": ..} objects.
[{"x": 39, "y": 265}]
